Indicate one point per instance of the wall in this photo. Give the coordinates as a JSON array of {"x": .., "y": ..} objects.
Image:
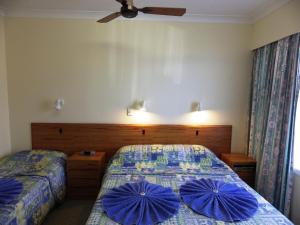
[
  {"x": 279, "y": 24},
  {"x": 101, "y": 69},
  {"x": 4, "y": 112}
]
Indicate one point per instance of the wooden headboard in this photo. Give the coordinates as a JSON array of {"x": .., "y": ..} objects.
[{"x": 72, "y": 137}]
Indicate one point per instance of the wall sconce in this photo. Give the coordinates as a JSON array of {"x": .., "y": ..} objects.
[
  {"x": 138, "y": 106},
  {"x": 196, "y": 107},
  {"x": 59, "y": 103}
]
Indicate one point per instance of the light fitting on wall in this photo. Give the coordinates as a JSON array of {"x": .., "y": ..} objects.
[
  {"x": 137, "y": 106},
  {"x": 59, "y": 103},
  {"x": 196, "y": 107}
]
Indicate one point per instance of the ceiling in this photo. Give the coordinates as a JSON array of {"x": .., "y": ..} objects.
[{"x": 243, "y": 11}]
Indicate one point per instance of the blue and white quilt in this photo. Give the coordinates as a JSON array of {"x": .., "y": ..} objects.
[
  {"x": 42, "y": 174},
  {"x": 172, "y": 166}
]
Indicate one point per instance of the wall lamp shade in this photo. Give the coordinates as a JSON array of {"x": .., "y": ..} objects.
[
  {"x": 142, "y": 106},
  {"x": 137, "y": 106},
  {"x": 59, "y": 103},
  {"x": 196, "y": 107}
]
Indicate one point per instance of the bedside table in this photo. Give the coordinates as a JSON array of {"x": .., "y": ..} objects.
[
  {"x": 243, "y": 165},
  {"x": 84, "y": 174}
]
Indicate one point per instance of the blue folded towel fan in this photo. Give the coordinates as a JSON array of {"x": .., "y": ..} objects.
[
  {"x": 9, "y": 190},
  {"x": 219, "y": 200},
  {"x": 140, "y": 203}
]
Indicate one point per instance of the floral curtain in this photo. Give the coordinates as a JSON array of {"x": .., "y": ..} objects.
[{"x": 275, "y": 88}]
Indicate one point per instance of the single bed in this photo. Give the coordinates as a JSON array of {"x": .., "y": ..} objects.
[
  {"x": 42, "y": 174},
  {"x": 172, "y": 166}
]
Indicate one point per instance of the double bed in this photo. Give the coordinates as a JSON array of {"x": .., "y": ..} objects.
[
  {"x": 173, "y": 166},
  {"x": 42, "y": 176}
]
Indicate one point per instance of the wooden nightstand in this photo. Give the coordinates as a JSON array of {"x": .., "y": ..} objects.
[
  {"x": 243, "y": 165},
  {"x": 84, "y": 174}
]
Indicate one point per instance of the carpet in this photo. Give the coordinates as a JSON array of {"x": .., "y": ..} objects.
[{"x": 71, "y": 212}]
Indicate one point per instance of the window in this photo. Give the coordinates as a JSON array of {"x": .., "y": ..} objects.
[{"x": 297, "y": 139}]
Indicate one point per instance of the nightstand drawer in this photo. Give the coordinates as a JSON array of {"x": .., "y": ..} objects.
[
  {"x": 86, "y": 165},
  {"x": 88, "y": 174},
  {"x": 249, "y": 178},
  {"x": 245, "y": 174},
  {"x": 82, "y": 193},
  {"x": 244, "y": 168},
  {"x": 83, "y": 182}
]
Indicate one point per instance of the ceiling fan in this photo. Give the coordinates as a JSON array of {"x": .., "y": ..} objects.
[{"x": 128, "y": 10}]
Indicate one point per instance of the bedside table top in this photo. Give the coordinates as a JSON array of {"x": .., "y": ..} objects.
[
  {"x": 99, "y": 156},
  {"x": 237, "y": 158}
]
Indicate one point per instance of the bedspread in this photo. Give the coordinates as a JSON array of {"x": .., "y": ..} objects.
[
  {"x": 42, "y": 174},
  {"x": 172, "y": 166}
]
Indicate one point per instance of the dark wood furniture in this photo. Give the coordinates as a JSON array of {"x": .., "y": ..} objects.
[
  {"x": 243, "y": 165},
  {"x": 70, "y": 138},
  {"x": 84, "y": 174}
]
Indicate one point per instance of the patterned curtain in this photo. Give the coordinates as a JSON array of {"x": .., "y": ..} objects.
[{"x": 275, "y": 89}]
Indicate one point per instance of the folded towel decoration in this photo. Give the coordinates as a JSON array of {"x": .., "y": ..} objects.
[
  {"x": 219, "y": 200},
  {"x": 140, "y": 203},
  {"x": 9, "y": 190}
]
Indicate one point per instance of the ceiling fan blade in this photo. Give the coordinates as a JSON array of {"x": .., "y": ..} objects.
[
  {"x": 121, "y": 1},
  {"x": 109, "y": 18},
  {"x": 164, "y": 11}
]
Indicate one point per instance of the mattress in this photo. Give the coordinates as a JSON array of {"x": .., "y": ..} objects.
[
  {"x": 42, "y": 174},
  {"x": 172, "y": 166}
]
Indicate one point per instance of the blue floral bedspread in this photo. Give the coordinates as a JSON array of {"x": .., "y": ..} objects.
[
  {"x": 42, "y": 174},
  {"x": 172, "y": 166}
]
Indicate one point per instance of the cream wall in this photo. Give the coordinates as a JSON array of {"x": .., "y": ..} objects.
[
  {"x": 279, "y": 24},
  {"x": 101, "y": 69},
  {"x": 4, "y": 112}
]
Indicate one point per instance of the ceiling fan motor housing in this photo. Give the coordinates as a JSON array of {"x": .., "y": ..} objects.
[{"x": 129, "y": 13}]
